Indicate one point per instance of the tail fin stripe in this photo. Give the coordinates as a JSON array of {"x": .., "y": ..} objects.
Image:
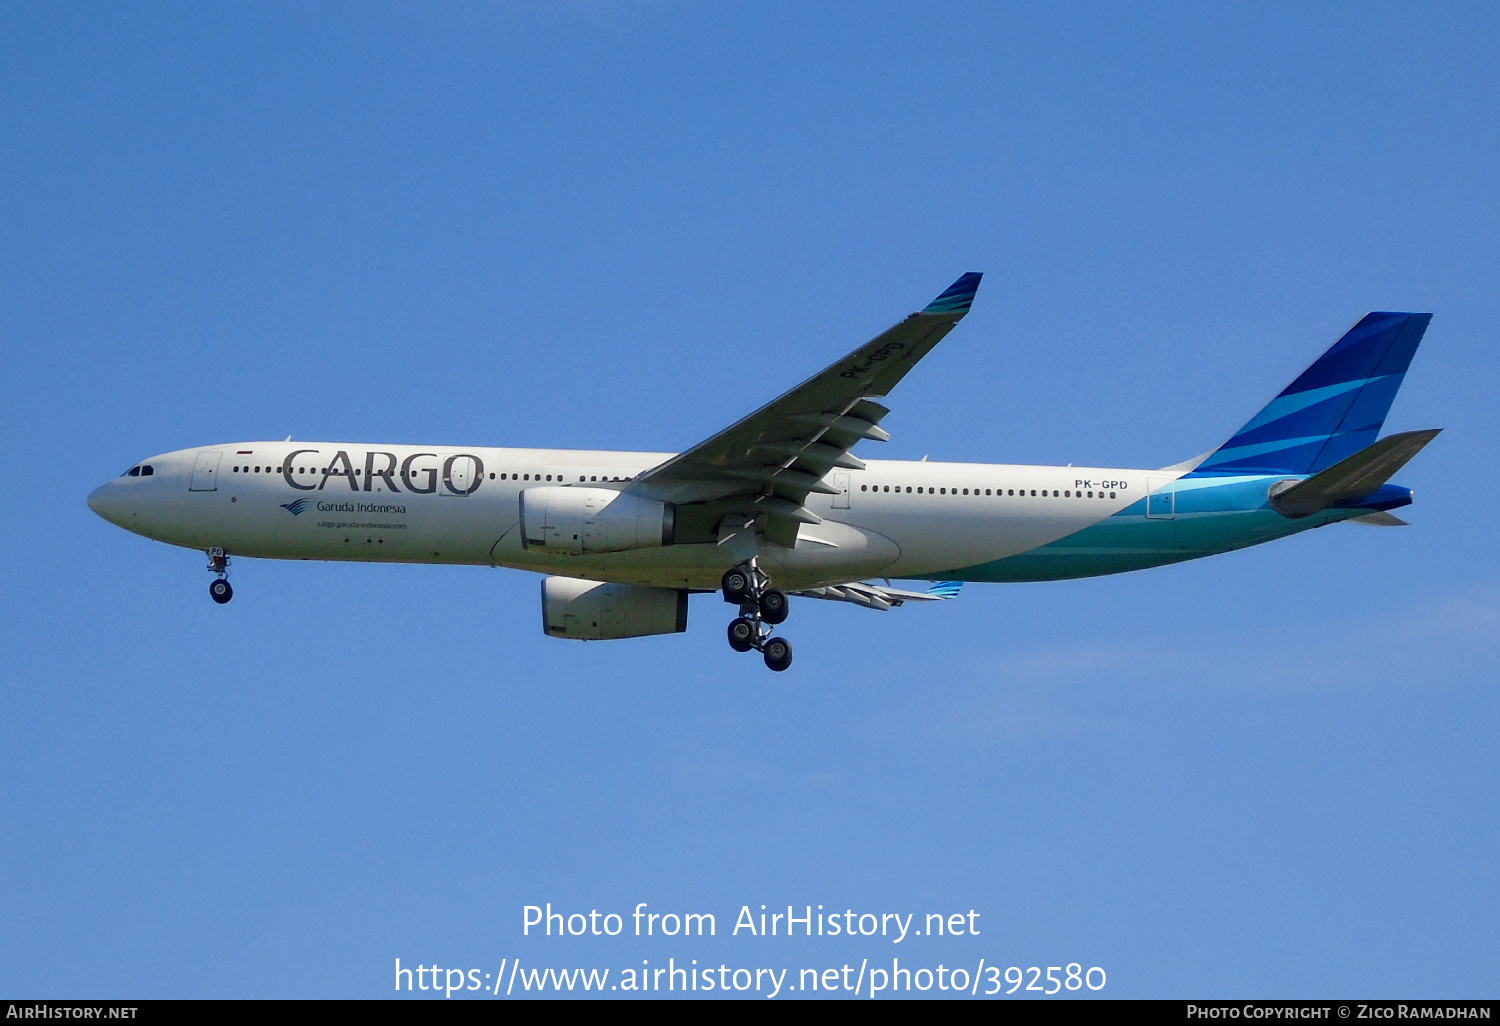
[
  {"x": 1310, "y": 420},
  {"x": 1285, "y": 405},
  {"x": 1229, "y": 457}
]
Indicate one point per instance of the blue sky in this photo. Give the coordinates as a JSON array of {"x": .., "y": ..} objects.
[{"x": 1270, "y": 773}]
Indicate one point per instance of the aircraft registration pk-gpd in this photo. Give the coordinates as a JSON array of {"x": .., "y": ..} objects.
[{"x": 777, "y": 505}]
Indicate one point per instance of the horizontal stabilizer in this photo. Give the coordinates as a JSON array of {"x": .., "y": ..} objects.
[
  {"x": 1353, "y": 477},
  {"x": 1379, "y": 518}
]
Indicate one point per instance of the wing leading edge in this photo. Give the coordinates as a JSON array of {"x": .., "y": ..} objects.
[{"x": 768, "y": 463}]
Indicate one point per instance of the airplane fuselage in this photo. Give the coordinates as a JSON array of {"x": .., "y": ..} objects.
[{"x": 894, "y": 519}]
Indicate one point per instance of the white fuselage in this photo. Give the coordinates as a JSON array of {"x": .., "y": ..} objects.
[{"x": 445, "y": 504}]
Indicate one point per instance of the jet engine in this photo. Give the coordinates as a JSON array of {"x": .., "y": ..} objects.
[
  {"x": 577, "y": 521},
  {"x": 592, "y": 611}
]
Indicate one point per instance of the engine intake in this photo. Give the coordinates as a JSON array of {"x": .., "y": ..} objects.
[
  {"x": 576, "y": 521},
  {"x": 594, "y": 611}
]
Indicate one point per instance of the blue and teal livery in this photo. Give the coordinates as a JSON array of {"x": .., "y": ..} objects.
[{"x": 1308, "y": 459}]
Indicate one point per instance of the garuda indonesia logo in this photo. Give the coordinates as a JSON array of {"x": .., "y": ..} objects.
[{"x": 297, "y": 507}]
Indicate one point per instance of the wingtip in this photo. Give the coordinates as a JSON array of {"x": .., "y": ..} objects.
[{"x": 958, "y": 297}]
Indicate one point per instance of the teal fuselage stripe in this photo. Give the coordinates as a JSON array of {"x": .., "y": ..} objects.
[{"x": 1210, "y": 517}]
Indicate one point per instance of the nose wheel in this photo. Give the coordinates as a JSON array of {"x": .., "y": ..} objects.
[
  {"x": 219, "y": 590},
  {"x": 761, "y": 608}
]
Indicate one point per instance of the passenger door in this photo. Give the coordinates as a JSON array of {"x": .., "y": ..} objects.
[
  {"x": 841, "y": 500},
  {"x": 206, "y": 472},
  {"x": 1161, "y": 498}
]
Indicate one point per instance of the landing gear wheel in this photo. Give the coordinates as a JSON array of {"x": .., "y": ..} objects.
[
  {"x": 737, "y": 585},
  {"x": 220, "y": 591},
  {"x": 774, "y": 607},
  {"x": 778, "y": 653},
  {"x": 742, "y": 634}
]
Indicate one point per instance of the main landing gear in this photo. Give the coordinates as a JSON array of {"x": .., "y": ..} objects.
[
  {"x": 219, "y": 590},
  {"x": 761, "y": 608}
]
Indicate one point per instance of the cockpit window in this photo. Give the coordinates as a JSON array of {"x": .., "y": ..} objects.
[
  {"x": 147, "y": 470},
  {"x": 132, "y": 472}
]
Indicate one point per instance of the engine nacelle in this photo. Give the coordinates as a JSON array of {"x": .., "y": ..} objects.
[
  {"x": 575, "y": 521},
  {"x": 592, "y": 611}
]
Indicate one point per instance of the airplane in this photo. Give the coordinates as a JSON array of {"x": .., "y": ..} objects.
[{"x": 777, "y": 506}]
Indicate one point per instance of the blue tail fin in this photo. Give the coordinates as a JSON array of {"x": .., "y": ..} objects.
[{"x": 1334, "y": 409}]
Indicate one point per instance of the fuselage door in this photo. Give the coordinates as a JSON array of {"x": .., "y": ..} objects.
[
  {"x": 841, "y": 500},
  {"x": 206, "y": 472},
  {"x": 1161, "y": 498},
  {"x": 459, "y": 475}
]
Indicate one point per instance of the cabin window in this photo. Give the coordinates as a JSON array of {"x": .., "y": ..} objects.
[
  {"x": 908, "y": 489},
  {"x": 966, "y": 491},
  {"x": 1111, "y": 495}
]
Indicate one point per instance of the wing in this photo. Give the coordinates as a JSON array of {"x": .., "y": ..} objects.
[
  {"x": 875, "y": 596},
  {"x": 769, "y": 462}
]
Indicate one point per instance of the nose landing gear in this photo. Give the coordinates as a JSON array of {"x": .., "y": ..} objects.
[
  {"x": 761, "y": 608},
  {"x": 219, "y": 590}
]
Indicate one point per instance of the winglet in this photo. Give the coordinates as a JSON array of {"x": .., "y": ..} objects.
[
  {"x": 958, "y": 297},
  {"x": 945, "y": 589}
]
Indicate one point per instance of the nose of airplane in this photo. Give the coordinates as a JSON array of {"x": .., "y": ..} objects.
[{"x": 105, "y": 501}]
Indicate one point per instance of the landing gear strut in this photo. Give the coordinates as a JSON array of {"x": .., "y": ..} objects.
[
  {"x": 219, "y": 590},
  {"x": 761, "y": 608}
]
